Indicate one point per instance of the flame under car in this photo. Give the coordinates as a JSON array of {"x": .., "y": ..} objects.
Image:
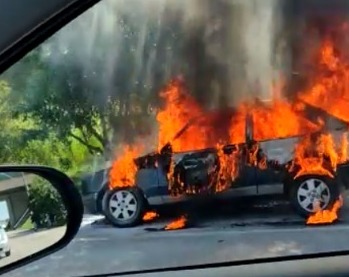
[{"x": 167, "y": 177}]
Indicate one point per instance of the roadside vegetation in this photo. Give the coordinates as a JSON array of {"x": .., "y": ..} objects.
[
  {"x": 69, "y": 106},
  {"x": 54, "y": 114}
]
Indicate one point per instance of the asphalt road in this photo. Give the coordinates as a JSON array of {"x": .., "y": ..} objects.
[
  {"x": 25, "y": 243},
  {"x": 260, "y": 232}
]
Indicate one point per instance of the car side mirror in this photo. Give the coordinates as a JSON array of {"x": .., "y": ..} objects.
[{"x": 40, "y": 213}]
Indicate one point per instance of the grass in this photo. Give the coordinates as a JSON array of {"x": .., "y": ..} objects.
[{"x": 27, "y": 225}]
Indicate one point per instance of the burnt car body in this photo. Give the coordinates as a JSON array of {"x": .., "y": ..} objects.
[{"x": 125, "y": 207}]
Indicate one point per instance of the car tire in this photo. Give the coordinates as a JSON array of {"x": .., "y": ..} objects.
[
  {"x": 8, "y": 253},
  {"x": 125, "y": 207},
  {"x": 308, "y": 190}
]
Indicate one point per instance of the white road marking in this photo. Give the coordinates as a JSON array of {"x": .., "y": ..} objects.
[
  {"x": 89, "y": 219},
  {"x": 32, "y": 268},
  {"x": 90, "y": 239}
]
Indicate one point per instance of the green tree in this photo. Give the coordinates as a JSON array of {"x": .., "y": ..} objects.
[
  {"x": 46, "y": 206},
  {"x": 15, "y": 132},
  {"x": 105, "y": 96}
]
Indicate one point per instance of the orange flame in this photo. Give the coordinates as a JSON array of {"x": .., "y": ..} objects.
[
  {"x": 275, "y": 119},
  {"x": 343, "y": 153},
  {"x": 179, "y": 223},
  {"x": 149, "y": 216},
  {"x": 123, "y": 170},
  {"x": 228, "y": 168},
  {"x": 179, "y": 108},
  {"x": 279, "y": 119},
  {"x": 326, "y": 216},
  {"x": 315, "y": 155},
  {"x": 238, "y": 125},
  {"x": 329, "y": 90}
]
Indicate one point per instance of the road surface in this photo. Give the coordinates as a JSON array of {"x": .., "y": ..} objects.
[
  {"x": 26, "y": 242},
  {"x": 103, "y": 249}
]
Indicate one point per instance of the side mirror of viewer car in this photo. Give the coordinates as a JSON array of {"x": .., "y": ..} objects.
[{"x": 40, "y": 213}]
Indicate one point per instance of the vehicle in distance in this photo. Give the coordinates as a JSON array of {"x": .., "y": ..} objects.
[
  {"x": 5, "y": 249},
  {"x": 196, "y": 171}
]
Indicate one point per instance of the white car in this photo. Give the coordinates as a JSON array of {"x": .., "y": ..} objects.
[{"x": 5, "y": 249}]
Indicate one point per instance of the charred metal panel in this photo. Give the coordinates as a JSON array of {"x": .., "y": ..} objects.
[{"x": 147, "y": 180}]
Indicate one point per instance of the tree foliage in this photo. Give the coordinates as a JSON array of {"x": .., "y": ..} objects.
[
  {"x": 24, "y": 141},
  {"x": 108, "y": 93},
  {"x": 46, "y": 206},
  {"x": 68, "y": 103}
]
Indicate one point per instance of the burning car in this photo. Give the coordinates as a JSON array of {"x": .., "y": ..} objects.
[
  {"x": 232, "y": 170},
  {"x": 296, "y": 147}
]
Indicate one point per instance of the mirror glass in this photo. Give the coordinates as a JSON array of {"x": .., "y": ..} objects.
[{"x": 32, "y": 215}]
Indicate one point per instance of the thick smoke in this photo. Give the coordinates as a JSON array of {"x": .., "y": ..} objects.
[
  {"x": 225, "y": 49},
  {"x": 231, "y": 50},
  {"x": 228, "y": 50}
]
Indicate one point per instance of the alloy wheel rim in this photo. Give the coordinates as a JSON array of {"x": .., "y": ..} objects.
[
  {"x": 313, "y": 195},
  {"x": 123, "y": 205}
]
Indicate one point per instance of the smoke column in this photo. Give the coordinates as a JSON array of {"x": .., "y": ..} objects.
[
  {"x": 225, "y": 49},
  {"x": 260, "y": 21},
  {"x": 233, "y": 50}
]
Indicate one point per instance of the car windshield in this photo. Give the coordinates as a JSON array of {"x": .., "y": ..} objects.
[{"x": 244, "y": 102}]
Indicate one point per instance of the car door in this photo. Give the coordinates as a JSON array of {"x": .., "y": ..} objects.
[
  {"x": 280, "y": 151},
  {"x": 245, "y": 183}
]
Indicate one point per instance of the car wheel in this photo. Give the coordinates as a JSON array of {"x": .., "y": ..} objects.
[
  {"x": 124, "y": 207},
  {"x": 310, "y": 193},
  {"x": 8, "y": 253}
]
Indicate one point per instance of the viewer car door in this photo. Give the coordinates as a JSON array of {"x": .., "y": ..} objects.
[
  {"x": 23, "y": 23},
  {"x": 270, "y": 180}
]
